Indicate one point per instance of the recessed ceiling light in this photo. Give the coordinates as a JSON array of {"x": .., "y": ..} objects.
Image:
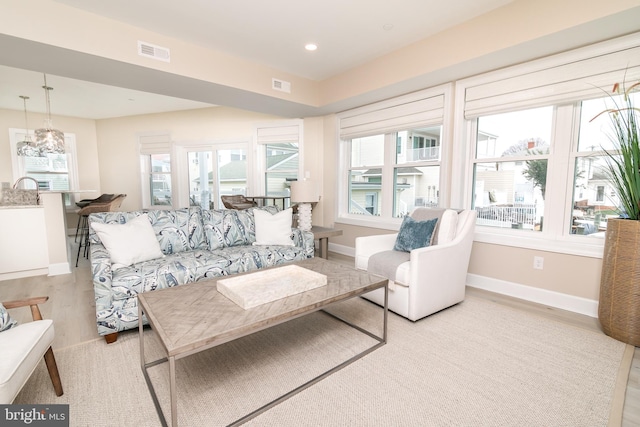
[
  {"x": 387, "y": 27},
  {"x": 311, "y": 46}
]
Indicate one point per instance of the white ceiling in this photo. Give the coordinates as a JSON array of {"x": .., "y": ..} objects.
[
  {"x": 77, "y": 98},
  {"x": 348, "y": 33}
]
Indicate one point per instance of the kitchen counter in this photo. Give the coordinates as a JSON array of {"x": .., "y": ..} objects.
[
  {"x": 34, "y": 238},
  {"x": 20, "y": 206}
]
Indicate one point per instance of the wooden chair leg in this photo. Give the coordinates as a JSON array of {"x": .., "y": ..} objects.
[
  {"x": 111, "y": 338},
  {"x": 52, "y": 367}
]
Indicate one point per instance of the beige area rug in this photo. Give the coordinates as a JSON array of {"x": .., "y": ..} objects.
[{"x": 478, "y": 363}]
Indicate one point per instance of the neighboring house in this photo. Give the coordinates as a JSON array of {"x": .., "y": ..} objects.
[
  {"x": 416, "y": 174},
  {"x": 282, "y": 166}
]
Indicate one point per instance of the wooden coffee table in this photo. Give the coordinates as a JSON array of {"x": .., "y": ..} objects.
[{"x": 191, "y": 318}]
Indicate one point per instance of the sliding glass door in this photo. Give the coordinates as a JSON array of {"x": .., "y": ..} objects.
[{"x": 214, "y": 171}]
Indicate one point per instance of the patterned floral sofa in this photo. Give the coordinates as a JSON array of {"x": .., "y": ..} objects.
[{"x": 197, "y": 244}]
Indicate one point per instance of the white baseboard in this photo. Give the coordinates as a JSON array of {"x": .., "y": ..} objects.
[
  {"x": 528, "y": 293},
  {"x": 342, "y": 250},
  {"x": 58, "y": 269},
  {"x": 541, "y": 296},
  {"x": 21, "y": 274}
]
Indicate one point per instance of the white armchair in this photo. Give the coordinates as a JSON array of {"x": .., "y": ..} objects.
[
  {"x": 23, "y": 347},
  {"x": 434, "y": 277}
]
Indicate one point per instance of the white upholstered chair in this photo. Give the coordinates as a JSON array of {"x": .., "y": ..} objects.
[
  {"x": 22, "y": 347},
  {"x": 427, "y": 279}
]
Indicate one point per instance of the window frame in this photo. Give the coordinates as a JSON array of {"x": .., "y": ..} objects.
[
  {"x": 275, "y": 132},
  {"x": 182, "y": 148},
  {"x": 148, "y": 145},
  {"x": 597, "y": 72},
  {"x": 16, "y": 135},
  {"x": 386, "y": 221}
]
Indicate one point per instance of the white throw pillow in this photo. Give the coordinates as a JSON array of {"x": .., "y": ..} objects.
[
  {"x": 129, "y": 243},
  {"x": 273, "y": 229}
]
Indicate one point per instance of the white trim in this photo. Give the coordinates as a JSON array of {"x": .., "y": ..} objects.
[
  {"x": 21, "y": 274},
  {"x": 541, "y": 296},
  {"x": 370, "y": 221},
  {"x": 342, "y": 249},
  {"x": 59, "y": 268},
  {"x": 558, "y": 300},
  {"x": 587, "y": 246}
]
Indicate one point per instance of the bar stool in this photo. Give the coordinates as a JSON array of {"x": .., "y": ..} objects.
[
  {"x": 238, "y": 202},
  {"x": 104, "y": 198},
  {"x": 84, "y": 213}
]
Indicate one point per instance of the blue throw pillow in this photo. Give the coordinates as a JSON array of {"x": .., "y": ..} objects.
[
  {"x": 414, "y": 234},
  {"x": 6, "y": 322}
]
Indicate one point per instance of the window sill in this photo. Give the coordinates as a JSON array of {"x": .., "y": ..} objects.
[
  {"x": 371, "y": 222},
  {"x": 587, "y": 246}
]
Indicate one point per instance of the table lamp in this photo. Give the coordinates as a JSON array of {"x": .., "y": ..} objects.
[{"x": 304, "y": 193}]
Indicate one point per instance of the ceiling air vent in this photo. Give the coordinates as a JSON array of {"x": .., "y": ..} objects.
[
  {"x": 281, "y": 85},
  {"x": 152, "y": 51}
]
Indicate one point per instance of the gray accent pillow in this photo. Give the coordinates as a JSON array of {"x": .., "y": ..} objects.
[
  {"x": 6, "y": 322},
  {"x": 414, "y": 234}
]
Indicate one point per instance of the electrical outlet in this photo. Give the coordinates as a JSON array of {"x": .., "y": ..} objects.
[{"x": 538, "y": 263}]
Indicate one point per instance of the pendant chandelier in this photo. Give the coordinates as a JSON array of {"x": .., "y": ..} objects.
[
  {"x": 27, "y": 147},
  {"x": 48, "y": 139}
]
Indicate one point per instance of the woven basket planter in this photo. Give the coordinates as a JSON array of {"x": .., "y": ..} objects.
[{"x": 619, "y": 306}]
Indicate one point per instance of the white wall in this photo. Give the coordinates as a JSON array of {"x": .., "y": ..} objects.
[{"x": 118, "y": 138}]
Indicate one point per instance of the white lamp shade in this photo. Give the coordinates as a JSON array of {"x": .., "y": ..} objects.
[{"x": 304, "y": 192}]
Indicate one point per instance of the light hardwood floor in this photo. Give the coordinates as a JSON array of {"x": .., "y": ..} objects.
[{"x": 71, "y": 306}]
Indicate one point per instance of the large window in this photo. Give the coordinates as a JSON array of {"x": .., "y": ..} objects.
[
  {"x": 535, "y": 170},
  {"x": 534, "y": 154},
  {"x": 594, "y": 198},
  {"x": 159, "y": 178},
  {"x": 510, "y": 168},
  {"x": 413, "y": 172},
  {"x": 281, "y": 167},
  {"x": 156, "y": 172},
  {"x": 416, "y": 172},
  {"x": 392, "y": 153},
  {"x": 280, "y": 147}
]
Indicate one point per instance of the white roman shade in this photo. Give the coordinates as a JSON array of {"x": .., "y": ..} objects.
[
  {"x": 562, "y": 78},
  {"x": 278, "y": 134},
  {"x": 423, "y": 108},
  {"x": 154, "y": 144}
]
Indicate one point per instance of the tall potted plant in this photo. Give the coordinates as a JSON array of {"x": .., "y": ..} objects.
[{"x": 619, "y": 305}]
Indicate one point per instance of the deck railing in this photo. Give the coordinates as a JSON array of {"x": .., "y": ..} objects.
[{"x": 521, "y": 215}]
